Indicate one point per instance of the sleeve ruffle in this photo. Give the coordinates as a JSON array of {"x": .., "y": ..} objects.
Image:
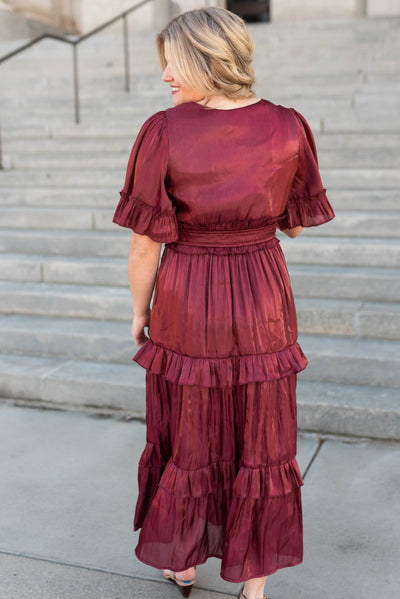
[
  {"x": 145, "y": 205},
  {"x": 144, "y": 219},
  {"x": 309, "y": 212},
  {"x": 307, "y": 204}
]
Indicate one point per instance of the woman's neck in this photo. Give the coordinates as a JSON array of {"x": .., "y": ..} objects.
[{"x": 223, "y": 103}]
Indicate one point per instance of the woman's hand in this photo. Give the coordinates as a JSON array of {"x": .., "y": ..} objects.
[
  {"x": 292, "y": 232},
  {"x": 137, "y": 328}
]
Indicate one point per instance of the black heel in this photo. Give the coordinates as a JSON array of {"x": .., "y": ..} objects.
[{"x": 186, "y": 590}]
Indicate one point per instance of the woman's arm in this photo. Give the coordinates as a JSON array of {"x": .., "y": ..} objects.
[
  {"x": 293, "y": 232},
  {"x": 143, "y": 260}
]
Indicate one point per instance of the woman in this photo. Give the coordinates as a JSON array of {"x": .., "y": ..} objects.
[{"x": 212, "y": 177}]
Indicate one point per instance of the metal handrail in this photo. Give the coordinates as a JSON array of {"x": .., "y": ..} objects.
[{"x": 74, "y": 43}]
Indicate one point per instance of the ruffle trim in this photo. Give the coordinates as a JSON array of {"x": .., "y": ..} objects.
[
  {"x": 133, "y": 213},
  {"x": 232, "y": 225},
  {"x": 220, "y": 372},
  {"x": 197, "y": 483},
  {"x": 253, "y": 482},
  {"x": 151, "y": 466},
  {"x": 310, "y": 212},
  {"x": 271, "y": 480},
  {"x": 152, "y": 457}
]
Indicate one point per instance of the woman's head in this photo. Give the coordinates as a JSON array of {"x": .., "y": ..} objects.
[{"x": 206, "y": 52}]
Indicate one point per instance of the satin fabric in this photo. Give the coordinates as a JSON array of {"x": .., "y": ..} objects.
[{"x": 218, "y": 475}]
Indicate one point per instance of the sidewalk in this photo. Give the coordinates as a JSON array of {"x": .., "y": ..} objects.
[{"x": 67, "y": 496}]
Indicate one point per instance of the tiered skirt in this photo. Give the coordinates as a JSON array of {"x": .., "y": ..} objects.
[{"x": 218, "y": 476}]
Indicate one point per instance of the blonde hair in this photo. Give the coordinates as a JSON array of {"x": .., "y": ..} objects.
[{"x": 211, "y": 50}]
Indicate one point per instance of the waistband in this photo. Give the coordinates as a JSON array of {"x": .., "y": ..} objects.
[{"x": 226, "y": 238}]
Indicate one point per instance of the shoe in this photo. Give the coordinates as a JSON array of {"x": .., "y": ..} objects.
[
  {"x": 243, "y": 596},
  {"x": 185, "y": 586}
]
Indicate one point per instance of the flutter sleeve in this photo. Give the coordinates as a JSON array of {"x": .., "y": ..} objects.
[
  {"x": 307, "y": 205},
  {"x": 145, "y": 206}
]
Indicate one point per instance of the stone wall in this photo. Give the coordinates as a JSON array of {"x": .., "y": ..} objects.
[{"x": 63, "y": 14}]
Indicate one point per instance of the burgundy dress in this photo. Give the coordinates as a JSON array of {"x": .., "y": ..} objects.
[{"x": 218, "y": 475}]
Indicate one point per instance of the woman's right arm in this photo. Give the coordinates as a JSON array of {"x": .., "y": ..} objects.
[{"x": 293, "y": 232}]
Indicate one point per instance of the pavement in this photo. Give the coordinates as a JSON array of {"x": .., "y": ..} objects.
[{"x": 68, "y": 492}]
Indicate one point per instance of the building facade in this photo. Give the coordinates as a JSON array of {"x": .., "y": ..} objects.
[{"x": 80, "y": 16}]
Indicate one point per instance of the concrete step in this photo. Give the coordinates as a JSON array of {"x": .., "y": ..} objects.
[
  {"x": 356, "y": 224},
  {"x": 356, "y": 283},
  {"x": 336, "y": 251},
  {"x": 76, "y": 339},
  {"x": 355, "y": 158},
  {"x": 346, "y": 224},
  {"x": 65, "y": 145},
  {"x": 315, "y": 315},
  {"x": 332, "y": 251},
  {"x": 65, "y": 197},
  {"x": 341, "y": 65},
  {"x": 319, "y": 118},
  {"x": 341, "y": 158},
  {"x": 323, "y": 407},
  {"x": 66, "y": 243},
  {"x": 70, "y": 301},
  {"x": 51, "y": 127},
  {"x": 333, "y": 359},
  {"x": 54, "y": 218},
  {"x": 362, "y": 141},
  {"x": 92, "y": 72},
  {"x": 362, "y": 121},
  {"x": 270, "y": 35},
  {"x": 355, "y": 178},
  {"x": 93, "y": 178},
  {"x": 341, "y": 282},
  {"x": 55, "y": 106},
  {"x": 90, "y": 178},
  {"x": 348, "y": 409},
  {"x": 352, "y": 318},
  {"x": 64, "y": 269},
  {"x": 374, "y": 200},
  {"x": 352, "y": 361},
  {"x": 47, "y": 218},
  {"x": 384, "y": 200},
  {"x": 147, "y": 84},
  {"x": 62, "y": 382},
  {"x": 92, "y": 160}
]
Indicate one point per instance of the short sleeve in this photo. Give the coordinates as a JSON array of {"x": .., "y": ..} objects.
[
  {"x": 307, "y": 205},
  {"x": 145, "y": 206}
]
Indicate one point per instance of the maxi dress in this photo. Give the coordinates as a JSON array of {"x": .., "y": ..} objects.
[{"x": 218, "y": 475}]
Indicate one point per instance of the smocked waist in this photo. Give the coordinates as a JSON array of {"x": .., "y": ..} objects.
[{"x": 234, "y": 237}]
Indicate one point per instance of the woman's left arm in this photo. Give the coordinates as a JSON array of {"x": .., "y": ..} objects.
[{"x": 143, "y": 260}]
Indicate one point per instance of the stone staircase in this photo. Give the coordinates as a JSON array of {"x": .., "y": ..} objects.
[{"x": 65, "y": 306}]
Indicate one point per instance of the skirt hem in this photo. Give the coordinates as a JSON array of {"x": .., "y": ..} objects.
[{"x": 168, "y": 567}]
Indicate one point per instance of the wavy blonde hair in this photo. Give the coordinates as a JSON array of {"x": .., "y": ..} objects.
[{"x": 211, "y": 50}]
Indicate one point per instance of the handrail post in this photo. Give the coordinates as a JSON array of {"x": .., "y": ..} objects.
[
  {"x": 1, "y": 154},
  {"x": 126, "y": 52},
  {"x": 76, "y": 83}
]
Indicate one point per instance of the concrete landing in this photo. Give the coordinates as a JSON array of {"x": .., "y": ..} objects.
[{"x": 68, "y": 494}]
